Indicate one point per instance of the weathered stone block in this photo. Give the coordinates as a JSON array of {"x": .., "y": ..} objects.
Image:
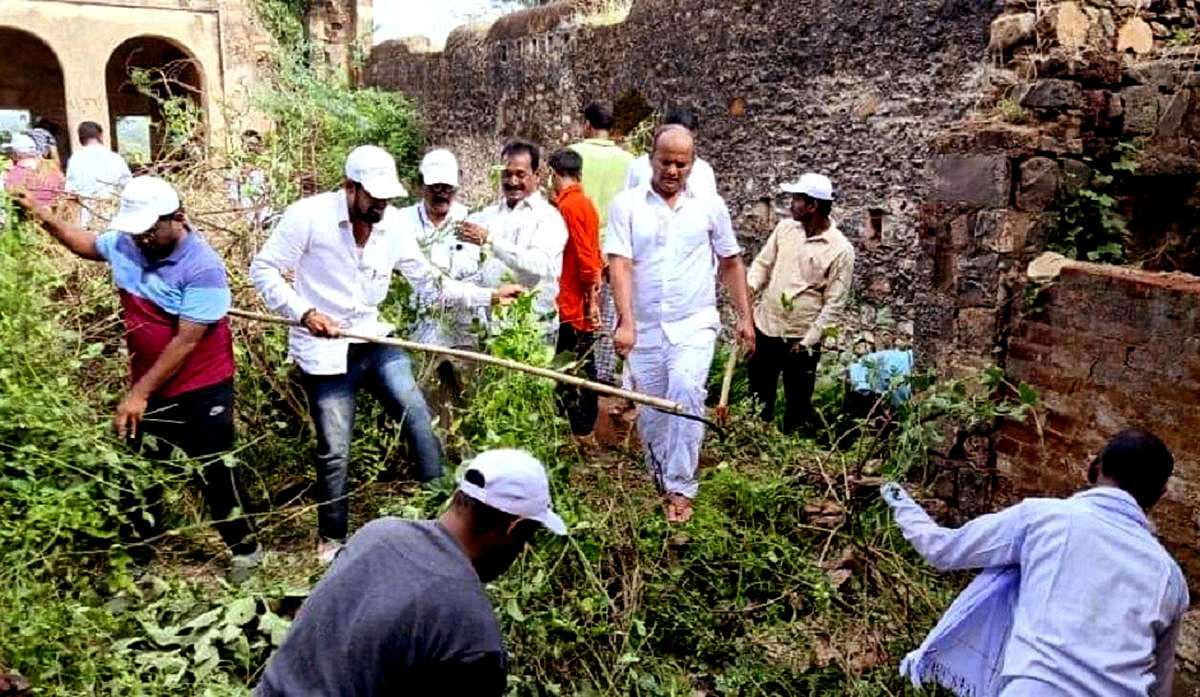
[
  {"x": 1038, "y": 185},
  {"x": 1135, "y": 35},
  {"x": 1009, "y": 30},
  {"x": 1003, "y": 231},
  {"x": 1076, "y": 175},
  {"x": 1054, "y": 94},
  {"x": 1171, "y": 121},
  {"x": 974, "y": 180},
  {"x": 1141, "y": 108},
  {"x": 975, "y": 330},
  {"x": 1071, "y": 25},
  {"x": 977, "y": 280}
]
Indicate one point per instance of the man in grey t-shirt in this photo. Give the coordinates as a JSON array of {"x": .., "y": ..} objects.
[{"x": 403, "y": 609}]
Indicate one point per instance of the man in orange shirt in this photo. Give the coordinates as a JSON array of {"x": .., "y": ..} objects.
[{"x": 579, "y": 285}]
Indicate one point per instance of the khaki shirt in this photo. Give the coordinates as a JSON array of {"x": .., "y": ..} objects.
[{"x": 801, "y": 281}]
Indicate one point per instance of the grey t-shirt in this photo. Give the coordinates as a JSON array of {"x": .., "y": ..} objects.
[{"x": 400, "y": 612}]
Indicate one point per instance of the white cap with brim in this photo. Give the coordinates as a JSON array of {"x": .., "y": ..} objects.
[
  {"x": 513, "y": 482},
  {"x": 143, "y": 201},
  {"x": 375, "y": 169},
  {"x": 812, "y": 185},
  {"x": 439, "y": 167},
  {"x": 22, "y": 145}
]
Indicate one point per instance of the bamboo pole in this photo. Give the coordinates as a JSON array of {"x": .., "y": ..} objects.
[{"x": 637, "y": 397}]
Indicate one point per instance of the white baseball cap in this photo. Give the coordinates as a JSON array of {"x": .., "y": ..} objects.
[
  {"x": 22, "y": 145},
  {"x": 375, "y": 169},
  {"x": 812, "y": 185},
  {"x": 513, "y": 482},
  {"x": 439, "y": 167},
  {"x": 144, "y": 200}
]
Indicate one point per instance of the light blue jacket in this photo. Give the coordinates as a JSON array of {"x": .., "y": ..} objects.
[{"x": 1100, "y": 601}]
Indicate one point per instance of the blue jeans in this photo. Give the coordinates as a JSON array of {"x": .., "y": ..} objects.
[{"x": 385, "y": 372}]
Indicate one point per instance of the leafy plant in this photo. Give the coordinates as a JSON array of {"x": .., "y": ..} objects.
[{"x": 1091, "y": 226}]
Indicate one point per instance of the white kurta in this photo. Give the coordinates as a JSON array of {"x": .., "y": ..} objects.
[
  {"x": 675, "y": 315},
  {"x": 527, "y": 242},
  {"x": 440, "y": 322}
]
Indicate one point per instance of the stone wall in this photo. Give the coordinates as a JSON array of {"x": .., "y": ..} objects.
[{"x": 857, "y": 90}]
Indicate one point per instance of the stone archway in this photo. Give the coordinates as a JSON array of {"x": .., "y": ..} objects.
[
  {"x": 154, "y": 85},
  {"x": 31, "y": 80}
]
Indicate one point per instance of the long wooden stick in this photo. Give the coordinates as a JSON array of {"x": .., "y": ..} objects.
[{"x": 655, "y": 402}]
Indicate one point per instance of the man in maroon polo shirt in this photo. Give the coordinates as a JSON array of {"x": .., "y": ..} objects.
[{"x": 174, "y": 296}]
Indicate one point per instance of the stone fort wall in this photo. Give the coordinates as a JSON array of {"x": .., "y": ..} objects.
[{"x": 856, "y": 90}]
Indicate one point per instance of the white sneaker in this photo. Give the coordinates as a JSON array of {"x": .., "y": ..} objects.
[{"x": 327, "y": 550}]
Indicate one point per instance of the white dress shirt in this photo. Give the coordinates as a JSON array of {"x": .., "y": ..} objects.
[
  {"x": 674, "y": 259},
  {"x": 527, "y": 240},
  {"x": 702, "y": 180},
  {"x": 314, "y": 239},
  {"x": 1100, "y": 601},
  {"x": 95, "y": 172},
  {"x": 440, "y": 323}
]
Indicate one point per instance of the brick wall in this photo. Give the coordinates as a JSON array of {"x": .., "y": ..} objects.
[{"x": 1110, "y": 348}]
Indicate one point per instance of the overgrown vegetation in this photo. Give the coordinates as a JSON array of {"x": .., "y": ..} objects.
[
  {"x": 1092, "y": 226},
  {"x": 790, "y": 579}
]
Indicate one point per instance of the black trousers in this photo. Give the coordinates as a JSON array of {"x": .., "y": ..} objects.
[
  {"x": 582, "y": 406},
  {"x": 200, "y": 423},
  {"x": 772, "y": 356}
]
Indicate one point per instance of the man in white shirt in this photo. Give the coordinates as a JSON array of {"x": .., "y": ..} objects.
[
  {"x": 663, "y": 240},
  {"x": 524, "y": 233},
  {"x": 342, "y": 247},
  {"x": 434, "y": 220},
  {"x": 94, "y": 173},
  {"x": 1099, "y": 603},
  {"x": 702, "y": 180}
]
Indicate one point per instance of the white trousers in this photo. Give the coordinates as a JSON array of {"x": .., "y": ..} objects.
[{"x": 678, "y": 372}]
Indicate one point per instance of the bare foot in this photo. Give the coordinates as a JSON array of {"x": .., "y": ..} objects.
[{"x": 679, "y": 508}]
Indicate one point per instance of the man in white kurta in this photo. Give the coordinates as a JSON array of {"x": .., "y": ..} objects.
[
  {"x": 433, "y": 221},
  {"x": 665, "y": 245},
  {"x": 522, "y": 234}
]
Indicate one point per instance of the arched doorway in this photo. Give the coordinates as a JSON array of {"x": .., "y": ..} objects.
[
  {"x": 31, "y": 85},
  {"x": 155, "y": 99}
]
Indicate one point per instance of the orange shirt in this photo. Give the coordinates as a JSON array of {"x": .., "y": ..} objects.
[{"x": 582, "y": 264}]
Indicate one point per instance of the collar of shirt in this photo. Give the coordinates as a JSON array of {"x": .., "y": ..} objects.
[
  {"x": 1115, "y": 500},
  {"x": 606, "y": 142},
  {"x": 526, "y": 203},
  {"x": 568, "y": 192},
  {"x": 173, "y": 258}
]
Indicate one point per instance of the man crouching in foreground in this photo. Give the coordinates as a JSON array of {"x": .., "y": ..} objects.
[
  {"x": 1077, "y": 598},
  {"x": 403, "y": 609}
]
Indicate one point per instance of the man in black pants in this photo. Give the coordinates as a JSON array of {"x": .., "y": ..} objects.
[
  {"x": 174, "y": 296},
  {"x": 578, "y": 285},
  {"x": 801, "y": 279}
]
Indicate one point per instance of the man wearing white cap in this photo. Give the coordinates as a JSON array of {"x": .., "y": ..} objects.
[
  {"x": 801, "y": 277},
  {"x": 343, "y": 246},
  {"x": 403, "y": 608},
  {"x": 174, "y": 296},
  {"x": 434, "y": 220},
  {"x": 666, "y": 244},
  {"x": 31, "y": 173}
]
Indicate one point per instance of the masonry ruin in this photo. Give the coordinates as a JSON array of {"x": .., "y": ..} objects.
[
  {"x": 966, "y": 137},
  {"x": 55, "y": 69}
]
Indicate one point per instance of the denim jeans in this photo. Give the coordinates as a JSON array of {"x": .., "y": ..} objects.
[{"x": 385, "y": 372}]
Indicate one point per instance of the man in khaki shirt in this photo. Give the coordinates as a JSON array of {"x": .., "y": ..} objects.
[{"x": 801, "y": 279}]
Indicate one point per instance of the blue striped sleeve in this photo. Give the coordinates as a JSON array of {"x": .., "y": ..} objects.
[{"x": 206, "y": 297}]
